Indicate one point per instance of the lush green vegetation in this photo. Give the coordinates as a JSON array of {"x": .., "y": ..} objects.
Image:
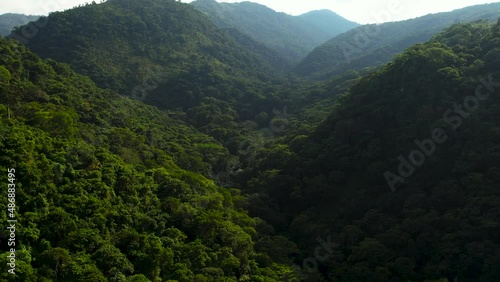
[
  {"x": 151, "y": 145},
  {"x": 122, "y": 43},
  {"x": 111, "y": 189},
  {"x": 169, "y": 55},
  {"x": 9, "y": 21},
  {"x": 374, "y": 45},
  {"x": 443, "y": 220},
  {"x": 292, "y": 36}
]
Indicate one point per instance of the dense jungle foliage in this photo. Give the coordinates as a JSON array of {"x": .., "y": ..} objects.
[
  {"x": 111, "y": 189},
  {"x": 151, "y": 145},
  {"x": 434, "y": 217}
]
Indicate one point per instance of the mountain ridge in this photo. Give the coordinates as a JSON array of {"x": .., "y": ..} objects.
[
  {"x": 235, "y": 170},
  {"x": 372, "y": 45},
  {"x": 9, "y": 21},
  {"x": 172, "y": 37},
  {"x": 293, "y": 36}
]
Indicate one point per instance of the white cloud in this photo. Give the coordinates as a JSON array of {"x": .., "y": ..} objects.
[
  {"x": 39, "y": 7},
  {"x": 362, "y": 11}
]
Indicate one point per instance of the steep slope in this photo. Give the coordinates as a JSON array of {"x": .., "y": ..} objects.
[
  {"x": 9, "y": 21},
  {"x": 401, "y": 182},
  {"x": 373, "y": 45},
  {"x": 292, "y": 36},
  {"x": 125, "y": 44},
  {"x": 109, "y": 189}
]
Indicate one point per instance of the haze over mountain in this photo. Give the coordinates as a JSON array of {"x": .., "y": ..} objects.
[
  {"x": 328, "y": 22},
  {"x": 187, "y": 56},
  {"x": 373, "y": 45},
  {"x": 293, "y": 36},
  {"x": 9, "y": 21}
]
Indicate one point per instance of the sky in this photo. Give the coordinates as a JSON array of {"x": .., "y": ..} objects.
[{"x": 361, "y": 11}]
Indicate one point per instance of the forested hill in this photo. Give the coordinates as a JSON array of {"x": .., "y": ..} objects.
[
  {"x": 374, "y": 45},
  {"x": 9, "y": 21},
  {"x": 403, "y": 178},
  {"x": 292, "y": 36},
  {"x": 110, "y": 189},
  {"x": 150, "y": 144},
  {"x": 120, "y": 44}
]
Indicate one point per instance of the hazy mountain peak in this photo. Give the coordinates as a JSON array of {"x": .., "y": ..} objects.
[
  {"x": 10, "y": 20},
  {"x": 371, "y": 45},
  {"x": 320, "y": 12},
  {"x": 292, "y": 36}
]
